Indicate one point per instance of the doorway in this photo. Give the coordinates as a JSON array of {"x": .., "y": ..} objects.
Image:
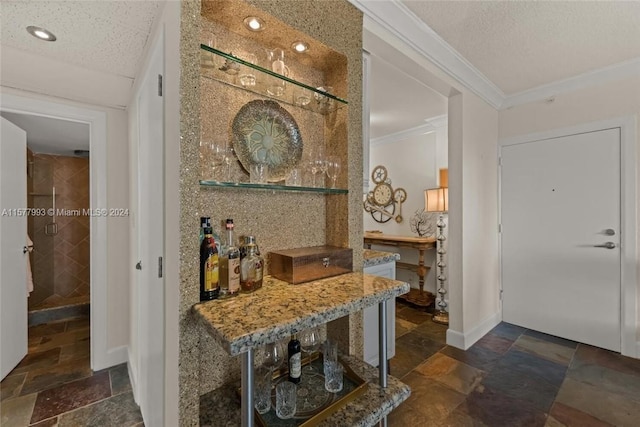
[
  {"x": 567, "y": 227},
  {"x": 101, "y": 357},
  {"x": 57, "y": 178}
]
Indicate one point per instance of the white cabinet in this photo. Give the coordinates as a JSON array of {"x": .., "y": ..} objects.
[{"x": 387, "y": 269}]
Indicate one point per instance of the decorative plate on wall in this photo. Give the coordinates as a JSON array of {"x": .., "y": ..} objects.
[{"x": 264, "y": 132}]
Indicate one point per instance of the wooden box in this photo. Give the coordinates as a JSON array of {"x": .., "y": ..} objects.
[{"x": 305, "y": 264}]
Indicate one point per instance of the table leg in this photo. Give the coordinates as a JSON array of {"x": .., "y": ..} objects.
[
  {"x": 247, "y": 389},
  {"x": 382, "y": 350},
  {"x": 422, "y": 271}
]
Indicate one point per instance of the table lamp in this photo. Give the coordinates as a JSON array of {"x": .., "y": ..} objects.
[{"x": 437, "y": 200}]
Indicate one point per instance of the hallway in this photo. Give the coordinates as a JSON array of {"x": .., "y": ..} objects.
[{"x": 54, "y": 384}]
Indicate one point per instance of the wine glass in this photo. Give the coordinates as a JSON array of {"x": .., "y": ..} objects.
[
  {"x": 217, "y": 154},
  {"x": 310, "y": 342},
  {"x": 314, "y": 169},
  {"x": 333, "y": 169},
  {"x": 274, "y": 355},
  {"x": 228, "y": 159}
]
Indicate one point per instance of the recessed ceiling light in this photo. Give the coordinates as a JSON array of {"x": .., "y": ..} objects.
[
  {"x": 253, "y": 23},
  {"x": 300, "y": 46},
  {"x": 41, "y": 33}
]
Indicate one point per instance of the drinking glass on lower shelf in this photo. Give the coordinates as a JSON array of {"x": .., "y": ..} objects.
[
  {"x": 286, "y": 400},
  {"x": 333, "y": 376},
  {"x": 262, "y": 396}
]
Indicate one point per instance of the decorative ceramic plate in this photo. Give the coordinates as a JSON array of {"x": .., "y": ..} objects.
[{"x": 264, "y": 132}]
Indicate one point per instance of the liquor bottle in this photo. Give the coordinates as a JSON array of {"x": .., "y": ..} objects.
[
  {"x": 205, "y": 221},
  {"x": 247, "y": 241},
  {"x": 294, "y": 353},
  {"x": 251, "y": 268},
  {"x": 209, "y": 283},
  {"x": 230, "y": 265}
]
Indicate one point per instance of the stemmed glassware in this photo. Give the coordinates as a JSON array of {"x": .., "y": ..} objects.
[
  {"x": 333, "y": 169},
  {"x": 314, "y": 169},
  {"x": 274, "y": 355},
  {"x": 211, "y": 157},
  {"x": 310, "y": 342},
  {"x": 228, "y": 159}
]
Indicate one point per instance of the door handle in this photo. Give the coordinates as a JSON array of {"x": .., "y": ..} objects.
[
  {"x": 606, "y": 245},
  {"x": 609, "y": 232}
]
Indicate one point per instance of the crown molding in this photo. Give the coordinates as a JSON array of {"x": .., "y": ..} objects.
[
  {"x": 396, "y": 18},
  {"x": 404, "y": 134},
  {"x": 581, "y": 81}
]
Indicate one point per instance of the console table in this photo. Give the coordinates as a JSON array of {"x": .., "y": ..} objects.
[{"x": 419, "y": 297}]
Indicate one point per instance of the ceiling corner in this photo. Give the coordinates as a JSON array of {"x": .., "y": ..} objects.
[{"x": 397, "y": 19}]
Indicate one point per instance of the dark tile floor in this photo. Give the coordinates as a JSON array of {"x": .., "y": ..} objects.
[
  {"x": 54, "y": 384},
  {"x": 511, "y": 377}
]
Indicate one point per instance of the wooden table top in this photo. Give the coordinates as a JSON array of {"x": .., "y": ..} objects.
[{"x": 381, "y": 237}]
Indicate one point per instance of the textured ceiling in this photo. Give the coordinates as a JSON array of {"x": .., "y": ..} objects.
[
  {"x": 109, "y": 36},
  {"x": 520, "y": 45}
]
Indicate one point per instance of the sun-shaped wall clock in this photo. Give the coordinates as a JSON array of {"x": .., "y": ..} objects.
[{"x": 382, "y": 201}]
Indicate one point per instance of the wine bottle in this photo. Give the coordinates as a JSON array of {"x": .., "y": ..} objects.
[
  {"x": 230, "y": 265},
  {"x": 209, "y": 281},
  {"x": 294, "y": 353}
]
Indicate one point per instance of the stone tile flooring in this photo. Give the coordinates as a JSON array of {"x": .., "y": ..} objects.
[
  {"x": 511, "y": 377},
  {"x": 54, "y": 384}
]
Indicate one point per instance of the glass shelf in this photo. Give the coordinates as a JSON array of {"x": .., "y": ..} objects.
[
  {"x": 226, "y": 69},
  {"x": 279, "y": 187}
]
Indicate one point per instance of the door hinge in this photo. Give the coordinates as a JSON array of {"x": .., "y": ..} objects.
[
  {"x": 160, "y": 266},
  {"x": 499, "y": 228},
  {"x": 501, "y": 291},
  {"x": 499, "y": 161},
  {"x": 159, "y": 84}
]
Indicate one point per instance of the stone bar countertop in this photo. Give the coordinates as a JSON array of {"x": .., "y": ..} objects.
[
  {"x": 372, "y": 257},
  {"x": 364, "y": 411},
  {"x": 279, "y": 309}
]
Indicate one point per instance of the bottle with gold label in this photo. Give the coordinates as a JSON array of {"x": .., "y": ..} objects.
[
  {"x": 209, "y": 282},
  {"x": 251, "y": 268},
  {"x": 230, "y": 265}
]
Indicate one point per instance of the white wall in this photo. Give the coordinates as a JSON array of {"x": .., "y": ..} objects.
[
  {"x": 607, "y": 100},
  {"x": 472, "y": 242},
  {"x": 411, "y": 164},
  {"x": 117, "y": 291}
]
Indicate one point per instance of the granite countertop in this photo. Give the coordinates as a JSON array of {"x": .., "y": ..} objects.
[
  {"x": 279, "y": 309},
  {"x": 372, "y": 257},
  {"x": 365, "y": 411}
]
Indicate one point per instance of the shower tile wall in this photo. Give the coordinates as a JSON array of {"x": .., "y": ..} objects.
[{"x": 60, "y": 262}]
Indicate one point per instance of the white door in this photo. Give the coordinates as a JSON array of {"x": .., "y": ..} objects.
[
  {"x": 150, "y": 288},
  {"x": 13, "y": 238},
  {"x": 560, "y": 202}
]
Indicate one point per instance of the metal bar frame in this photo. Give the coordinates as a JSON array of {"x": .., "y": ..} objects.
[{"x": 246, "y": 406}]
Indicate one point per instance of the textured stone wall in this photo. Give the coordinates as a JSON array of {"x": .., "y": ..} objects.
[{"x": 279, "y": 220}]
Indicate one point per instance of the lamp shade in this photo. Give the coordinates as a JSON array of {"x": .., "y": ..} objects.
[{"x": 436, "y": 199}]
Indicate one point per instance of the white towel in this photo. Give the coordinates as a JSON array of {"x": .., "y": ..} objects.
[{"x": 29, "y": 275}]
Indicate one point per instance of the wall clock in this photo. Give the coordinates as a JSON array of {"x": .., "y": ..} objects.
[{"x": 383, "y": 200}]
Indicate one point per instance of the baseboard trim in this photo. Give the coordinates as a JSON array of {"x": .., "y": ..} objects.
[
  {"x": 465, "y": 340},
  {"x": 113, "y": 357},
  {"x": 133, "y": 376}
]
